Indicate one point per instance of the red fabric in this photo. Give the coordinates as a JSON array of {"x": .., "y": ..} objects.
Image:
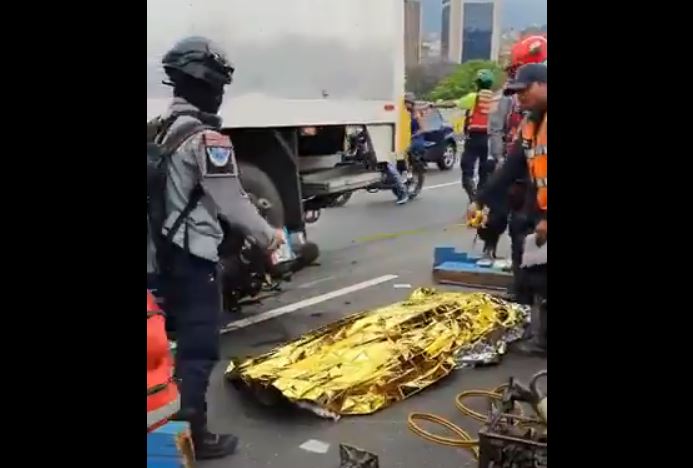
[{"x": 159, "y": 358}]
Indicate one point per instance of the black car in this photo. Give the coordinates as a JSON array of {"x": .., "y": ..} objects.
[{"x": 441, "y": 143}]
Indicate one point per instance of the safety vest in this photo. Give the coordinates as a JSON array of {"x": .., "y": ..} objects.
[
  {"x": 163, "y": 400},
  {"x": 534, "y": 144},
  {"x": 478, "y": 115}
]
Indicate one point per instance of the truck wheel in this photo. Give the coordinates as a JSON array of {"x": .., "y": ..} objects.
[{"x": 262, "y": 192}]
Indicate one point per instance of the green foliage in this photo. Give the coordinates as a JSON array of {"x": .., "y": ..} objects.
[
  {"x": 461, "y": 81},
  {"x": 421, "y": 79}
]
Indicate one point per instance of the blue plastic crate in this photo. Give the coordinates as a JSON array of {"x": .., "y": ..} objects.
[
  {"x": 170, "y": 446},
  {"x": 460, "y": 268}
]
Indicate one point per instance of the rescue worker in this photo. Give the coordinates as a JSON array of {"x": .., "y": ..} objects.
[
  {"x": 527, "y": 160},
  {"x": 476, "y": 135},
  {"x": 503, "y": 127},
  {"x": 163, "y": 400},
  {"x": 203, "y": 171}
]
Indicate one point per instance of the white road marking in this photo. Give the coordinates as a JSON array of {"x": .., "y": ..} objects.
[
  {"x": 270, "y": 314},
  {"x": 310, "y": 284},
  {"x": 447, "y": 184}
]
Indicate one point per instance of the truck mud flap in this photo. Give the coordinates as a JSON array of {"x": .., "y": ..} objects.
[{"x": 337, "y": 180}]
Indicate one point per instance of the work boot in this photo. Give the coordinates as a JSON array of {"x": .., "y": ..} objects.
[
  {"x": 207, "y": 445},
  {"x": 210, "y": 446},
  {"x": 537, "y": 343},
  {"x": 469, "y": 187}
]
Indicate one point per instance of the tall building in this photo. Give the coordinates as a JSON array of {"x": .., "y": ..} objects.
[
  {"x": 470, "y": 30},
  {"x": 412, "y": 32}
]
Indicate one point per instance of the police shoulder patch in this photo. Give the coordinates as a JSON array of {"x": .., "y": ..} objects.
[{"x": 219, "y": 160}]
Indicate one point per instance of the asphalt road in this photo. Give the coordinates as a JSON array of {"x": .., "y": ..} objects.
[{"x": 364, "y": 245}]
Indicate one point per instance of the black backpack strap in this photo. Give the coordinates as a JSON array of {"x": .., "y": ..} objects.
[
  {"x": 180, "y": 135},
  {"x": 172, "y": 143},
  {"x": 195, "y": 197}
]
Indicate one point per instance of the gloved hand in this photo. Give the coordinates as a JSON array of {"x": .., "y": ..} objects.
[
  {"x": 476, "y": 216},
  {"x": 278, "y": 240}
]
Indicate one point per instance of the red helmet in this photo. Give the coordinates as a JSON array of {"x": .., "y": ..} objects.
[{"x": 531, "y": 49}]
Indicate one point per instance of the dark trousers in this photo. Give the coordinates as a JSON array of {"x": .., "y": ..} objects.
[
  {"x": 532, "y": 291},
  {"x": 519, "y": 227},
  {"x": 475, "y": 149},
  {"x": 193, "y": 305}
]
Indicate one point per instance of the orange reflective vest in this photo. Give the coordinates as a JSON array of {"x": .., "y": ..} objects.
[
  {"x": 478, "y": 116},
  {"x": 163, "y": 400},
  {"x": 534, "y": 144}
]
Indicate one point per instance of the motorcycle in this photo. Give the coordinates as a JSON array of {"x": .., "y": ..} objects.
[{"x": 412, "y": 169}]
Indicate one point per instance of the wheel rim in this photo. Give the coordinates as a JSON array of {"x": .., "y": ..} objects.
[{"x": 449, "y": 156}]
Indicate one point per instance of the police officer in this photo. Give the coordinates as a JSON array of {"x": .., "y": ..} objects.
[{"x": 203, "y": 167}]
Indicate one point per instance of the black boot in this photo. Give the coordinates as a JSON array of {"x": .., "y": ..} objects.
[
  {"x": 537, "y": 343},
  {"x": 207, "y": 445},
  {"x": 468, "y": 186}
]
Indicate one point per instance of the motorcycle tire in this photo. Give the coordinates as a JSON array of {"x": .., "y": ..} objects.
[{"x": 416, "y": 184}]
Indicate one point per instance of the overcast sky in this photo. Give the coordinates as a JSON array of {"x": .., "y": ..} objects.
[{"x": 517, "y": 14}]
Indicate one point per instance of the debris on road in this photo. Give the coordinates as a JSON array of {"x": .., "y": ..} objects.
[
  {"x": 369, "y": 360},
  {"x": 315, "y": 446},
  {"x": 352, "y": 457},
  {"x": 402, "y": 286}
]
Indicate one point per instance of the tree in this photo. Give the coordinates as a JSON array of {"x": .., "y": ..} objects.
[
  {"x": 421, "y": 79},
  {"x": 461, "y": 81}
]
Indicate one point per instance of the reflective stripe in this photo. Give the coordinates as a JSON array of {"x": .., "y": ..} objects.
[
  {"x": 542, "y": 183},
  {"x": 165, "y": 412},
  {"x": 541, "y": 149},
  {"x": 529, "y": 153}
]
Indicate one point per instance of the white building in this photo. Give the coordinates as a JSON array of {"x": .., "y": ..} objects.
[
  {"x": 470, "y": 30},
  {"x": 412, "y": 32}
]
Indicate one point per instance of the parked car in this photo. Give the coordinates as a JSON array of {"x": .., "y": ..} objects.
[{"x": 441, "y": 139}]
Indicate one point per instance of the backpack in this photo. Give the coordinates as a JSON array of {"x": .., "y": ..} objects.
[{"x": 158, "y": 157}]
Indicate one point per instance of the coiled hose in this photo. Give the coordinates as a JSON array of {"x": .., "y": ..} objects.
[{"x": 464, "y": 440}]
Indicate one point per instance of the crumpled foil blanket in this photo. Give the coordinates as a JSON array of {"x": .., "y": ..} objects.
[{"x": 371, "y": 359}]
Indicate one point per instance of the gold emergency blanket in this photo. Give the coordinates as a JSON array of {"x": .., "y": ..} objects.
[{"x": 371, "y": 359}]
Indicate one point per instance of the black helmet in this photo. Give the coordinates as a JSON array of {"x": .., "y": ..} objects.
[{"x": 198, "y": 58}]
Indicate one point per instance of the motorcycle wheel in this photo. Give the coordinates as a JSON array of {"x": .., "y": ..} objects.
[{"x": 415, "y": 184}]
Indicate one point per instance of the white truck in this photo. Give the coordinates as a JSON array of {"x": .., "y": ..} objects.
[{"x": 306, "y": 71}]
